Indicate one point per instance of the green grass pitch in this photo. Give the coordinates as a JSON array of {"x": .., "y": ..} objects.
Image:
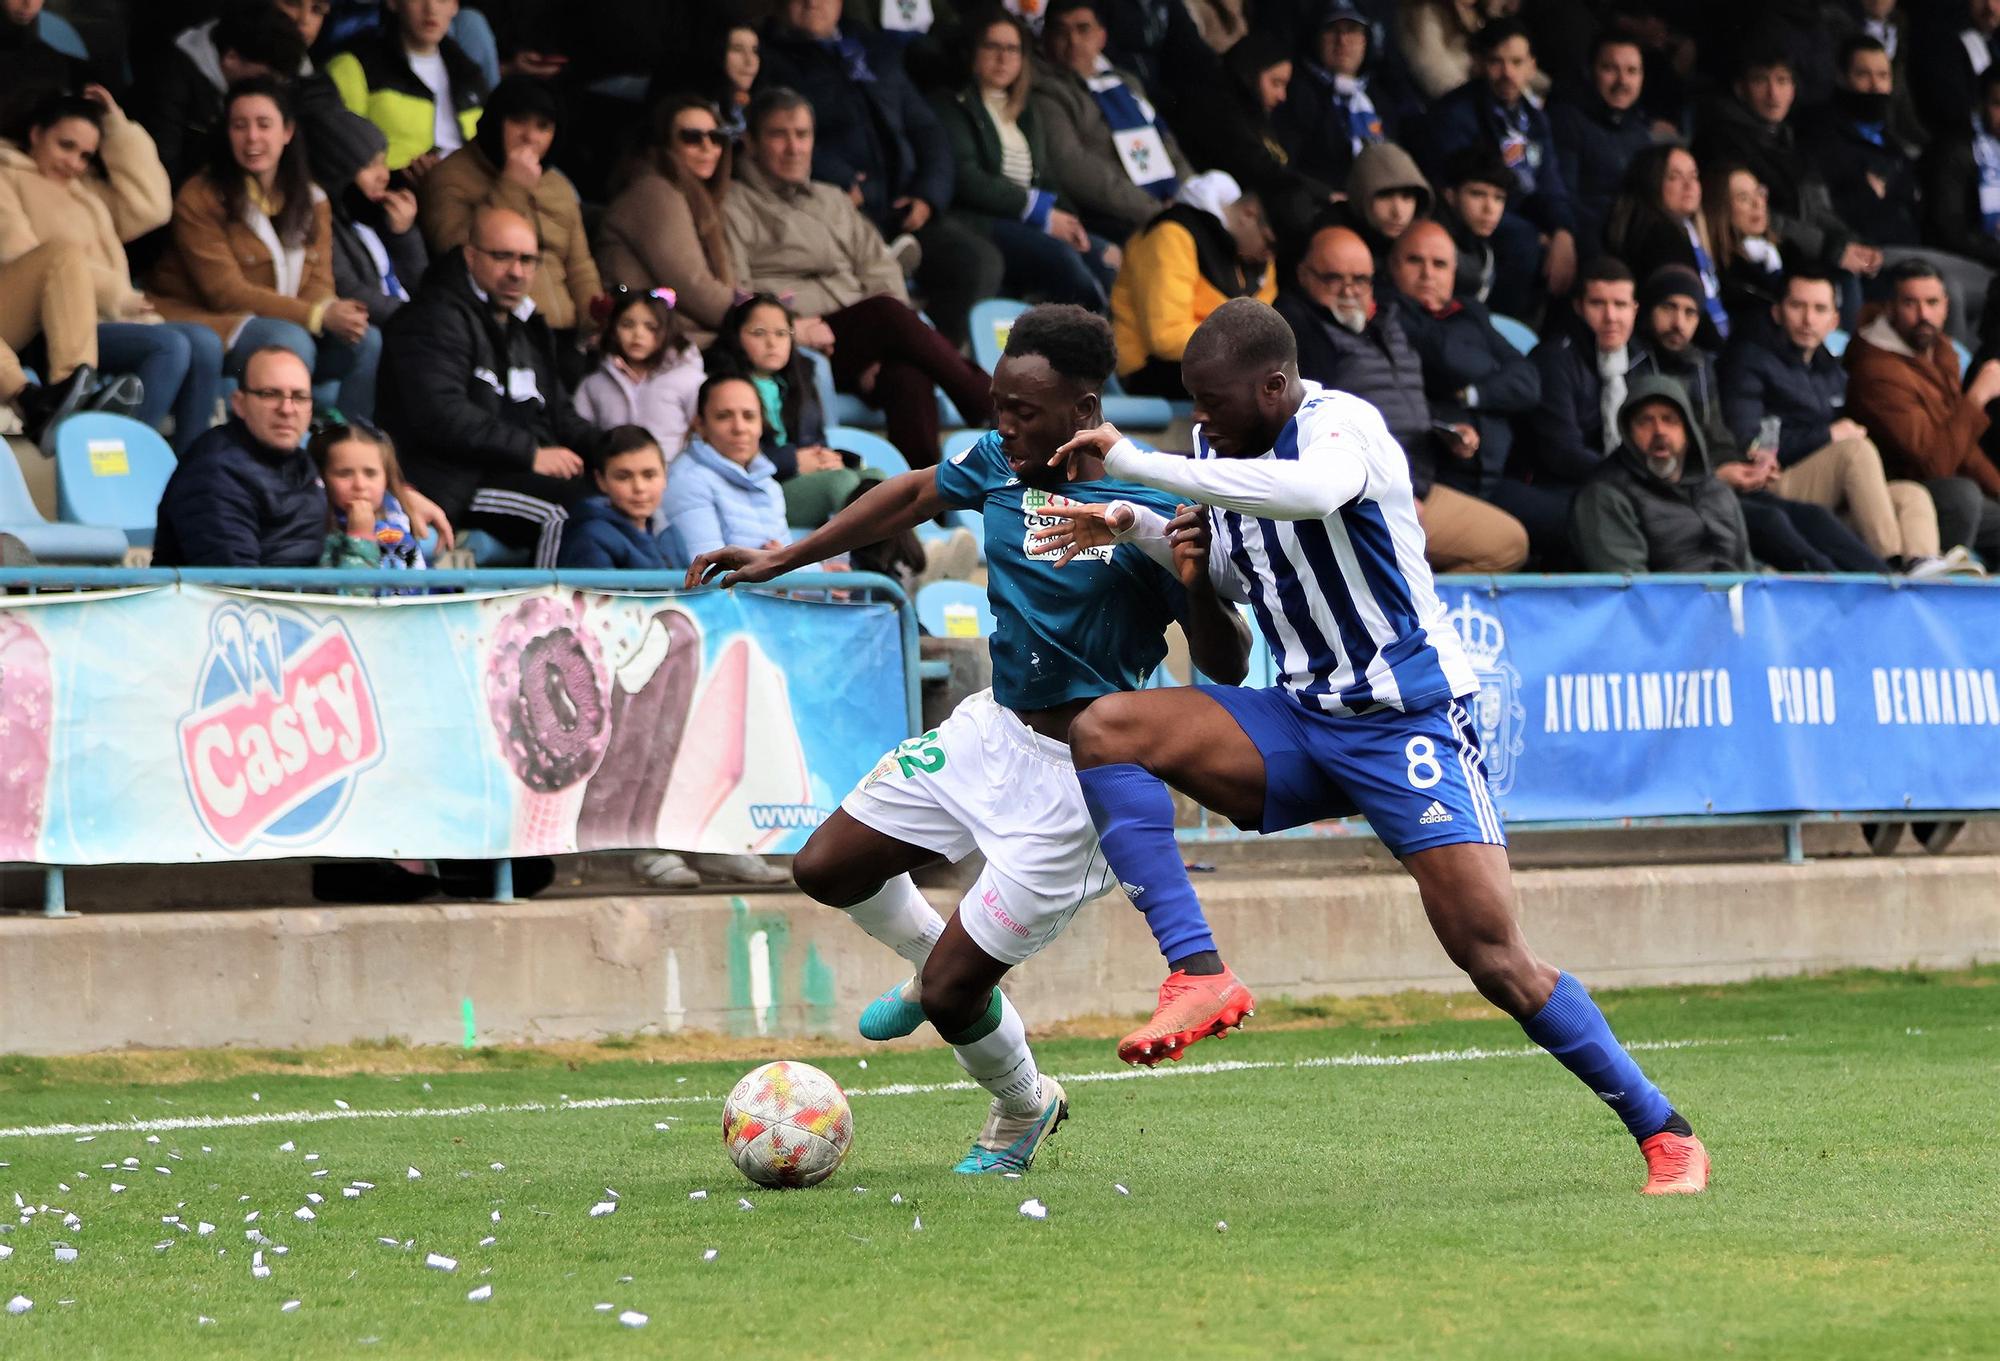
[{"x": 1415, "y": 1186}]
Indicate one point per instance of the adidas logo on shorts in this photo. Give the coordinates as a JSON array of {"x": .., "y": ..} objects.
[{"x": 1434, "y": 814}]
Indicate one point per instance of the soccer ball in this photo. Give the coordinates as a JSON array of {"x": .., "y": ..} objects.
[{"x": 787, "y": 1124}]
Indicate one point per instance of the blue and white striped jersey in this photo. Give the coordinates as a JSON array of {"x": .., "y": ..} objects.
[{"x": 1345, "y": 601}]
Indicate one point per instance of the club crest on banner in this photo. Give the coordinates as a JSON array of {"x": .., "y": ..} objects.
[
  {"x": 284, "y": 720},
  {"x": 1497, "y": 710}
]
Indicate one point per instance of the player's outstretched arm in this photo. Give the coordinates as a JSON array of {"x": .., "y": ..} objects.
[
  {"x": 892, "y": 506},
  {"x": 1218, "y": 639},
  {"x": 1094, "y": 524},
  {"x": 1269, "y": 488}
]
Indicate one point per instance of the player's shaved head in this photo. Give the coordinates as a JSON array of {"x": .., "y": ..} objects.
[
  {"x": 1046, "y": 386},
  {"x": 1241, "y": 366},
  {"x": 1244, "y": 333},
  {"x": 1076, "y": 342}
]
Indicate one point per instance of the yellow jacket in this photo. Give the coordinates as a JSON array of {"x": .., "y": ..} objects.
[
  {"x": 375, "y": 80},
  {"x": 1178, "y": 268}
]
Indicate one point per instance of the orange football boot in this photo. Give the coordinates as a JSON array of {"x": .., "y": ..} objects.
[
  {"x": 1676, "y": 1164},
  {"x": 1192, "y": 1007}
]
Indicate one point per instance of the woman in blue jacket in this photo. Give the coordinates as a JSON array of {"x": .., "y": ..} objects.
[{"x": 724, "y": 492}]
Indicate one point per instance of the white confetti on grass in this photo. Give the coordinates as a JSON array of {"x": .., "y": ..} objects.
[
  {"x": 413, "y": 1175},
  {"x": 304, "y": 1212},
  {"x": 289, "y": 1307},
  {"x": 20, "y": 1304},
  {"x": 697, "y": 1195},
  {"x": 1120, "y": 1189},
  {"x": 632, "y": 1318},
  {"x": 604, "y": 1308},
  {"x": 1034, "y": 1209},
  {"x": 484, "y": 1292},
  {"x": 5, "y": 1252},
  {"x": 602, "y": 1208},
  {"x": 65, "y": 1253},
  {"x": 437, "y": 1261},
  {"x": 709, "y": 1255}
]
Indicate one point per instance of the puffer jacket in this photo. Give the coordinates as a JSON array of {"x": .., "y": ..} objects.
[
  {"x": 1801, "y": 204},
  {"x": 1472, "y": 374},
  {"x": 1596, "y": 143},
  {"x": 1763, "y": 374},
  {"x": 1625, "y": 519},
  {"x": 99, "y": 212},
  {"x": 1179, "y": 268},
  {"x": 232, "y": 502},
  {"x": 598, "y": 537},
  {"x": 375, "y": 80},
  {"x": 1376, "y": 365},
  {"x": 662, "y": 401},
  {"x": 712, "y": 502}
]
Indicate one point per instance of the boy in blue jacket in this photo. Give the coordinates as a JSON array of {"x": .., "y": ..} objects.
[{"x": 613, "y": 530}]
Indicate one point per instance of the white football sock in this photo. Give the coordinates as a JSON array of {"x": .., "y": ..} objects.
[
  {"x": 899, "y": 916},
  {"x": 1002, "y": 1063}
]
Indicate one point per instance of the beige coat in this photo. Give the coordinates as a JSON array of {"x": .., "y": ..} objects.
[
  {"x": 465, "y": 181},
  {"x": 99, "y": 213},
  {"x": 648, "y": 241},
  {"x": 808, "y": 240},
  {"x": 221, "y": 272}
]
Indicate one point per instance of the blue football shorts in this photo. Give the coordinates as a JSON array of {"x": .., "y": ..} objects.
[{"x": 1418, "y": 778}]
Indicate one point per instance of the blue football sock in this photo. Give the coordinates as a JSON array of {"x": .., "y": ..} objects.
[
  {"x": 1571, "y": 1027},
  {"x": 1134, "y": 814}
]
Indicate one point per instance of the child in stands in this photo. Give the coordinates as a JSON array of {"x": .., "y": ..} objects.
[
  {"x": 614, "y": 530},
  {"x": 650, "y": 372},
  {"x": 366, "y": 523}
]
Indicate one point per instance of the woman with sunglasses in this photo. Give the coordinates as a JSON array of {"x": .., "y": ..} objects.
[
  {"x": 664, "y": 229},
  {"x": 505, "y": 165}
]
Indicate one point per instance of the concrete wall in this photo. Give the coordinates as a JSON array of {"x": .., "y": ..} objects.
[{"x": 588, "y": 966}]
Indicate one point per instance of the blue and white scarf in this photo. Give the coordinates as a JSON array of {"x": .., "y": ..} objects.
[
  {"x": 1711, "y": 282},
  {"x": 1351, "y": 105},
  {"x": 1986, "y": 155},
  {"x": 1521, "y": 152},
  {"x": 1134, "y": 131}
]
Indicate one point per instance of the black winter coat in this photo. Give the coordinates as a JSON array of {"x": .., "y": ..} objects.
[
  {"x": 233, "y": 502},
  {"x": 1801, "y": 205},
  {"x": 1952, "y": 220},
  {"x": 1562, "y": 439},
  {"x": 1764, "y": 375},
  {"x": 1595, "y": 143},
  {"x": 1847, "y": 159},
  {"x": 447, "y": 371},
  {"x": 1377, "y": 366},
  {"x": 1464, "y": 357}
]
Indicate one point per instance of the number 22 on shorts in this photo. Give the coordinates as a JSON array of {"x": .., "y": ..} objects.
[{"x": 920, "y": 755}]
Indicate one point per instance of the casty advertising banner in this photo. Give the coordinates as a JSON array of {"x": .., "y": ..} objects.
[
  {"x": 1671, "y": 698},
  {"x": 187, "y": 723}
]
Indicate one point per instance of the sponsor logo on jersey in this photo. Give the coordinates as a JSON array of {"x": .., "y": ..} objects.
[{"x": 1035, "y": 507}]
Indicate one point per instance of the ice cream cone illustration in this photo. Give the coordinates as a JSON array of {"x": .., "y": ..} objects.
[
  {"x": 548, "y": 695},
  {"x": 651, "y": 693},
  {"x": 741, "y": 750},
  {"x": 27, "y": 719}
]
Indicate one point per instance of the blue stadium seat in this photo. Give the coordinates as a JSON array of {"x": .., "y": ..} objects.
[
  {"x": 111, "y": 470},
  {"x": 991, "y": 320},
  {"x": 1836, "y": 342},
  {"x": 488, "y": 551},
  {"x": 51, "y": 542},
  {"x": 1517, "y": 333},
  {"x": 954, "y": 609},
  {"x": 871, "y": 449}
]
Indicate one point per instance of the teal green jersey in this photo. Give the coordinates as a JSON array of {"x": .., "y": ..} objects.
[{"x": 1091, "y": 627}]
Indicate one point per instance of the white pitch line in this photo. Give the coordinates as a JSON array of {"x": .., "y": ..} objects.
[{"x": 320, "y": 1117}]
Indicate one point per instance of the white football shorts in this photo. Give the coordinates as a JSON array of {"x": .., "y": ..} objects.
[{"x": 983, "y": 780}]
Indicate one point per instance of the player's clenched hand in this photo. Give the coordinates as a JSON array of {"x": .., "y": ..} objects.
[
  {"x": 733, "y": 567},
  {"x": 1189, "y": 533},
  {"x": 1096, "y": 440},
  {"x": 1081, "y": 526}
]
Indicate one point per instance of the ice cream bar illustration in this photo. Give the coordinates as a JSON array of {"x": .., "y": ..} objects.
[
  {"x": 740, "y": 749},
  {"x": 548, "y": 693},
  {"x": 27, "y": 718},
  {"x": 652, "y": 692}
]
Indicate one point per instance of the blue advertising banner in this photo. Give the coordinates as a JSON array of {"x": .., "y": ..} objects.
[
  {"x": 1678, "y": 697},
  {"x": 188, "y": 723}
]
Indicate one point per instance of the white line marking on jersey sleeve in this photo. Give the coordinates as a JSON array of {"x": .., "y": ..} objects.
[{"x": 320, "y": 1117}]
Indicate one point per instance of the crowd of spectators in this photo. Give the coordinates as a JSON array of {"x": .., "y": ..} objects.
[{"x": 586, "y": 271}]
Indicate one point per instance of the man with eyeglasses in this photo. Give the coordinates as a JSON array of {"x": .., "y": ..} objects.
[
  {"x": 246, "y": 494},
  {"x": 1347, "y": 342},
  {"x": 472, "y": 392}
]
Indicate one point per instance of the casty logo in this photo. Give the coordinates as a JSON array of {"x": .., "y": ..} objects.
[{"x": 284, "y": 720}]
